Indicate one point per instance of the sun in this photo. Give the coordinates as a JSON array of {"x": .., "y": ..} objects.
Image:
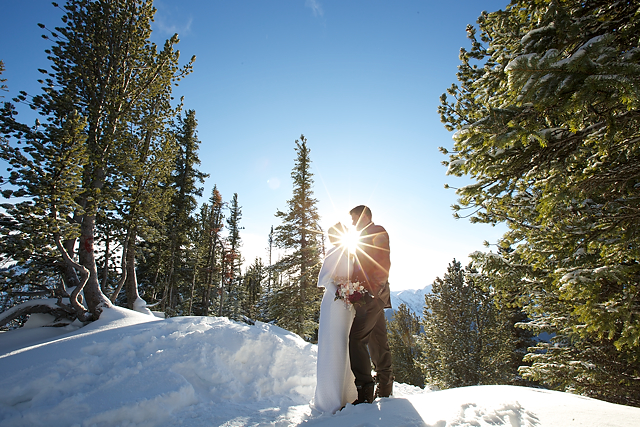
[
  {"x": 350, "y": 240},
  {"x": 347, "y": 239}
]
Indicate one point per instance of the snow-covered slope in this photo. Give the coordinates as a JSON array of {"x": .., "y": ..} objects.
[{"x": 129, "y": 369}]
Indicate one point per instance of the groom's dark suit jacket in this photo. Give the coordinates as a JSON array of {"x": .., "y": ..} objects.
[{"x": 371, "y": 267}]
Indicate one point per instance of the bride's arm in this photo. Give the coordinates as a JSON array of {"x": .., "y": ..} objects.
[{"x": 327, "y": 271}]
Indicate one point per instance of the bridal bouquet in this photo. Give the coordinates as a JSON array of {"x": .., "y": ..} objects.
[{"x": 350, "y": 292}]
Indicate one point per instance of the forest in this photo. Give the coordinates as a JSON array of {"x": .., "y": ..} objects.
[
  {"x": 101, "y": 200},
  {"x": 102, "y": 193}
]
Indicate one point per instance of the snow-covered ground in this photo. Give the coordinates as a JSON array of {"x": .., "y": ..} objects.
[{"x": 130, "y": 369}]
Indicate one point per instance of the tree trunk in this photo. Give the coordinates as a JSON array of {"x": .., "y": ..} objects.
[
  {"x": 70, "y": 274},
  {"x": 131, "y": 283},
  {"x": 31, "y": 307},
  {"x": 105, "y": 270},
  {"x": 221, "y": 293},
  {"x": 94, "y": 297},
  {"x": 193, "y": 284},
  {"x": 205, "y": 299},
  {"x": 168, "y": 290}
]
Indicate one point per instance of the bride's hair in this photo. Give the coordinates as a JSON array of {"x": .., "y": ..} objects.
[{"x": 335, "y": 232}]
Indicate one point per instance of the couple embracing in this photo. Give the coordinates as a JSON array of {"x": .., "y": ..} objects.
[{"x": 353, "y": 332}]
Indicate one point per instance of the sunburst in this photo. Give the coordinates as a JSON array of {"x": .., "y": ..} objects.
[
  {"x": 347, "y": 240},
  {"x": 351, "y": 241},
  {"x": 360, "y": 249}
]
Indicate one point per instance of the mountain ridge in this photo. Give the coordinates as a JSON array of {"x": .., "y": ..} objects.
[{"x": 412, "y": 298}]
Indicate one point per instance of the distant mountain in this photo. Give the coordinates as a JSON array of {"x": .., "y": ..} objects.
[{"x": 412, "y": 298}]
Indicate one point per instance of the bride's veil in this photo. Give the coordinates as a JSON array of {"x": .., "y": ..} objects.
[{"x": 336, "y": 261}]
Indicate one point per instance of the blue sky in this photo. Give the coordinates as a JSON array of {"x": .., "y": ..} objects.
[{"x": 360, "y": 79}]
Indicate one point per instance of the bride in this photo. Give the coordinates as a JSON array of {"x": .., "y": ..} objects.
[{"x": 335, "y": 387}]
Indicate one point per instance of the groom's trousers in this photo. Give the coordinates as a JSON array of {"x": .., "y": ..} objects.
[{"x": 368, "y": 343}]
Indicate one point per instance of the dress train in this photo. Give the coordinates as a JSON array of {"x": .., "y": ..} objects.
[{"x": 335, "y": 387}]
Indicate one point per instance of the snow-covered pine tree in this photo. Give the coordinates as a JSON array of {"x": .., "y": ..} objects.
[
  {"x": 296, "y": 303},
  {"x": 548, "y": 126},
  {"x": 34, "y": 230},
  {"x": 403, "y": 329},
  {"x": 504, "y": 277},
  {"x": 465, "y": 342}
]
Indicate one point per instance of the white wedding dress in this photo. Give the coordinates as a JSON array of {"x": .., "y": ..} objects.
[{"x": 335, "y": 387}]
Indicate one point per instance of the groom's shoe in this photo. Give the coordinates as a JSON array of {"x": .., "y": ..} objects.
[
  {"x": 365, "y": 394},
  {"x": 384, "y": 390}
]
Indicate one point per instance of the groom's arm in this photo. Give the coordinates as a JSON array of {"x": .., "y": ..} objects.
[{"x": 382, "y": 263}]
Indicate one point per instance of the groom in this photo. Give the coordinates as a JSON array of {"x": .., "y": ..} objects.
[{"x": 368, "y": 338}]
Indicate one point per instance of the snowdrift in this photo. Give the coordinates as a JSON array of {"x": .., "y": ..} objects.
[{"x": 129, "y": 369}]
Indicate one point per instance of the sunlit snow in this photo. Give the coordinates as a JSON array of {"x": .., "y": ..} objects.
[{"x": 130, "y": 369}]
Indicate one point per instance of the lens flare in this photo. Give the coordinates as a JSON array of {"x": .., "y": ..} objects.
[
  {"x": 347, "y": 240},
  {"x": 350, "y": 240}
]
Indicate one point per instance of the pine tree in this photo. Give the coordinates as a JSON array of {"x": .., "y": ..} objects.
[
  {"x": 406, "y": 353},
  {"x": 548, "y": 126},
  {"x": 270, "y": 281},
  {"x": 253, "y": 286},
  {"x": 2, "y": 85},
  {"x": 503, "y": 278},
  {"x": 464, "y": 342},
  {"x": 34, "y": 230},
  {"x": 144, "y": 191},
  {"x": 106, "y": 74},
  {"x": 180, "y": 220},
  {"x": 211, "y": 243},
  {"x": 232, "y": 293},
  {"x": 296, "y": 303},
  {"x": 270, "y": 250}
]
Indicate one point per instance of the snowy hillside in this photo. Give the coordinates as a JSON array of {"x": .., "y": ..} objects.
[
  {"x": 129, "y": 369},
  {"x": 412, "y": 298}
]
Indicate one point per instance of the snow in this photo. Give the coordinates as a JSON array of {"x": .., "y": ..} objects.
[
  {"x": 514, "y": 63},
  {"x": 580, "y": 252},
  {"x": 140, "y": 306},
  {"x": 131, "y": 369},
  {"x": 552, "y": 133},
  {"x": 461, "y": 133},
  {"x": 455, "y": 164},
  {"x": 579, "y": 54},
  {"x": 527, "y": 37},
  {"x": 412, "y": 298},
  {"x": 31, "y": 303}
]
